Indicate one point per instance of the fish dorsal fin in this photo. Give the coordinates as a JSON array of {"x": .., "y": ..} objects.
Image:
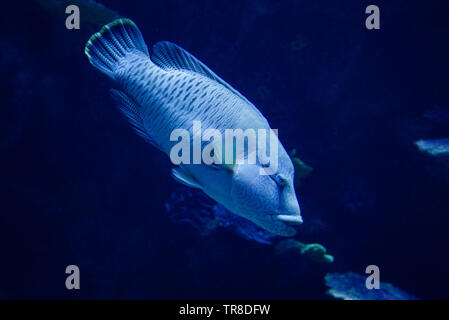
[
  {"x": 185, "y": 178},
  {"x": 168, "y": 56}
]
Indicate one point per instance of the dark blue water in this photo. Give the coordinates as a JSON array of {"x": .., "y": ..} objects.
[{"x": 78, "y": 186}]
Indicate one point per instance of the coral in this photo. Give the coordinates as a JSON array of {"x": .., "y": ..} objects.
[
  {"x": 301, "y": 169},
  {"x": 192, "y": 207},
  {"x": 313, "y": 251},
  {"x": 351, "y": 286},
  {"x": 438, "y": 148}
]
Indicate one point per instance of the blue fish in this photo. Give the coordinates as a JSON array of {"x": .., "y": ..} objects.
[{"x": 169, "y": 89}]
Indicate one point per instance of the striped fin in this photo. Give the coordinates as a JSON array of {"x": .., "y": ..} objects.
[
  {"x": 168, "y": 56},
  {"x": 112, "y": 43}
]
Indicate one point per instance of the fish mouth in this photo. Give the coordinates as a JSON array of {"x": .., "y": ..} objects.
[{"x": 289, "y": 219}]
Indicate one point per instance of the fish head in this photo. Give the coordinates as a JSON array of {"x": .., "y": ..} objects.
[{"x": 268, "y": 200}]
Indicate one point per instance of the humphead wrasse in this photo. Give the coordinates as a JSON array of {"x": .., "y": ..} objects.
[{"x": 169, "y": 89}]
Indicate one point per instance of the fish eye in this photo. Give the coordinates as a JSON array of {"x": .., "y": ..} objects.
[{"x": 280, "y": 180}]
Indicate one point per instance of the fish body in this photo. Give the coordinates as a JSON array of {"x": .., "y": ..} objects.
[
  {"x": 170, "y": 89},
  {"x": 175, "y": 98}
]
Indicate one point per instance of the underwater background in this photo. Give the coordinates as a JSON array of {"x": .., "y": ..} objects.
[{"x": 78, "y": 186}]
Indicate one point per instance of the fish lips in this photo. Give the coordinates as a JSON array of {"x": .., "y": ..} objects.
[{"x": 294, "y": 220}]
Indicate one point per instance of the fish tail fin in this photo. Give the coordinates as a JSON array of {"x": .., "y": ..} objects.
[{"x": 112, "y": 43}]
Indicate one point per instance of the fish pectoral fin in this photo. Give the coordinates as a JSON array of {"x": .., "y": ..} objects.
[
  {"x": 134, "y": 114},
  {"x": 185, "y": 178}
]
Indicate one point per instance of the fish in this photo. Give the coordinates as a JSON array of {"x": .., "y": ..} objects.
[{"x": 166, "y": 89}]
